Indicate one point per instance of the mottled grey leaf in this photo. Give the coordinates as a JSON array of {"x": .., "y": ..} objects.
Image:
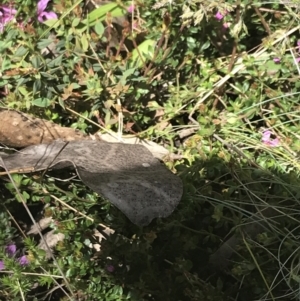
[{"x": 127, "y": 175}]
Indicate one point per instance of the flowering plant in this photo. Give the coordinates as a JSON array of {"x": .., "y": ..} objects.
[
  {"x": 11, "y": 250},
  {"x": 8, "y": 13}
]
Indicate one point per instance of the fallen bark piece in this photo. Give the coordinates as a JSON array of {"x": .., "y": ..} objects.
[
  {"x": 127, "y": 175},
  {"x": 21, "y": 130}
]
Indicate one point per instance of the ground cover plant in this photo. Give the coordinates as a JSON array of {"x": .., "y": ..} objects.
[{"x": 214, "y": 82}]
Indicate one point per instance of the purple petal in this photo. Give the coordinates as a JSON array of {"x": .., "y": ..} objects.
[
  {"x": 298, "y": 59},
  {"x": 130, "y": 8},
  {"x": 41, "y": 6},
  {"x": 219, "y": 16},
  {"x": 8, "y": 10},
  {"x": 6, "y": 19},
  {"x": 266, "y": 139},
  {"x": 2, "y": 266},
  {"x": 275, "y": 142},
  {"x": 50, "y": 15},
  {"x": 276, "y": 60},
  {"x": 7, "y": 14},
  {"x": 40, "y": 18},
  {"x": 23, "y": 260},
  {"x": 266, "y": 136},
  {"x": 47, "y": 16},
  {"x": 11, "y": 249},
  {"x": 110, "y": 268}
]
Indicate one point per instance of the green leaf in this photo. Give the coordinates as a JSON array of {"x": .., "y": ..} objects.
[
  {"x": 44, "y": 43},
  {"x": 232, "y": 118},
  {"x": 42, "y": 102},
  {"x": 6, "y": 64},
  {"x": 84, "y": 43},
  {"x": 53, "y": 23},
  {"x": 23, "y": 91},
  {"x": 99, "y": 28},
  {"x": 37, "y": 85},
  {"x": 23, "y": 197},
  {"x": 36, "y": 62},
  {"x": 21, "y": 51},
  {"x": 128, "y": 72},
  {"x": 144, "y": 51},
  {"x": 99, "y": 14},
  {"x": 205, "y": 45},
  {"x": 5, "y": 45},
  {"x": 75, "y": 22}
]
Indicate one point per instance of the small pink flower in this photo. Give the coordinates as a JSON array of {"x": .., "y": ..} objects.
[
  {"x": 11, "y": 249},
  {"x": 266, "y": 139},
  {"x": 130, "y": 8},
  {"x": 7, "y": 14},
  {"x": 219, "y": 16},
  {"x": 226, "y": 25},
  {"x": 298, "y": 59},
  {"x": 42, "y": 14},
  {"x": 8, "y": 10},
  {"x": 276, "y": 60},
  {"x": 23, "y": 260}
]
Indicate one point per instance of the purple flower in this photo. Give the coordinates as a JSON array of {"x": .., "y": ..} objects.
[
  {"x": 226, "y": 25},
  {"x": 7, "y": 11},
  {"x": 11, "y": 249},
  {"x": 276, "y": 60},
  {"x": 110, "y": 268},
  {"x": 130, "y": 8},
  {"x": 266, "y": 139},
  {"x": 298, "y": 59},
  {"x": 219, "y": 16},
  {"x": 7, "y": 14},
  {"x": 42, "y": 14},
  {"x": 23, "y": 260}
]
